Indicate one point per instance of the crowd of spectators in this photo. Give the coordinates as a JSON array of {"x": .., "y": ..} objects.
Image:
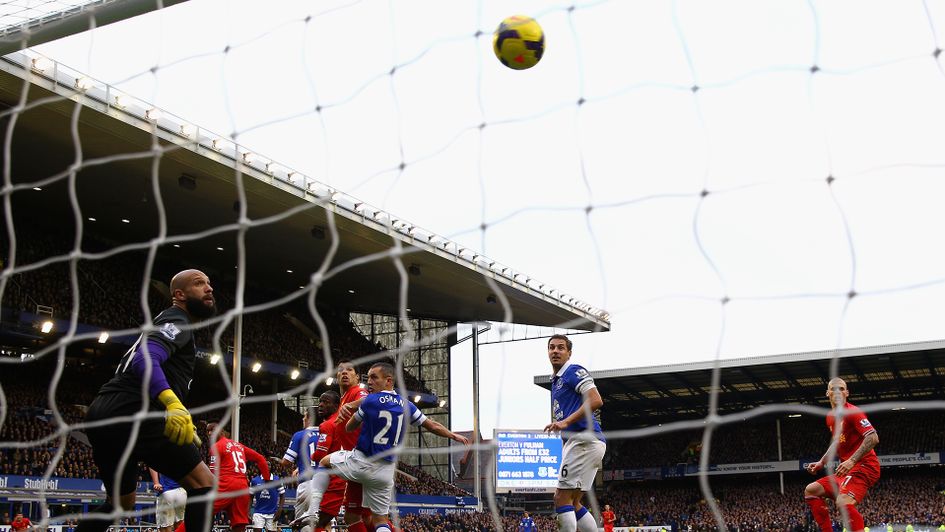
[
  {"x": 744, "y": 507},
  {"x": 420, "y": 482},
  {"x": 756, "y": 503},
  {"x": 901, "y": 432},
  {"x": 271, "y": 335},
  {"x": 30, "y": 419},
  {"x": 747, "y": 504},
  {"x": 256, "y": 428},
  {"x": 116, "y": 307},
  {"x": 267, "y": 335},
  {"x": 469, "y": 522}
]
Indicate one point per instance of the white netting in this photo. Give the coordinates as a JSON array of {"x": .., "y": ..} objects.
[
  {"x": 16, "y": 15},
  {"x": 747, "y": 178}
]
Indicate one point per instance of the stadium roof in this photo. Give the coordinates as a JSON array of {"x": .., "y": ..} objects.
[
  {"x": 33, "y": 23},
  {"x": 197, "y": 173},
  {"x": 657, "y": 394}
]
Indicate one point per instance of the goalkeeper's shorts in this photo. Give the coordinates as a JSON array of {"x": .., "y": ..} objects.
[{"x": 150, "y": 446}]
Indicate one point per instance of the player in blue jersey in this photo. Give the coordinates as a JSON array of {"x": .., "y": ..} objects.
[
  {"x": 267, "y": 502},
  {"x": 383, "y": 418},
  {"x": 574, "y": 405},
  {"x": 526, "y": 524},
  {"x": 171, "y": 499},
  {"x": 300, "y": 452}
]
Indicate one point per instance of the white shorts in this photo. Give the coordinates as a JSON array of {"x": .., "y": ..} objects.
[
  {"x": 376, "y": 478},
  {"x": 581, "y": 457},
  {"x": 170, "y": 507},
  {"x": 264, "y": 521},
  {"x": 302, "y": 500}
]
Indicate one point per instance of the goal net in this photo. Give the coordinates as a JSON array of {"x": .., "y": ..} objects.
[{"x": 365, "y": 181}]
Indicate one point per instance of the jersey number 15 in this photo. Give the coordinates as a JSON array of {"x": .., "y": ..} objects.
[{"x": 239, "y": 463}]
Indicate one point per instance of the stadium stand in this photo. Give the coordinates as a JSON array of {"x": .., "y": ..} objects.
[
  {"x": 749, "y": 503},
  {"x": 418, "y": 482},
  {"x": 755, "y": 503},
  {"x": 110, "y": 288},
  {"x": 31, "y": 420},
  {"x": 267, "y": 335},
  {"x": 902, "y": 496},
  {"x": 756, "y": 441},
  {"x": 468, "y": 522}
]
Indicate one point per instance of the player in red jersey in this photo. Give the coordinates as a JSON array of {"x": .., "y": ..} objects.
[
  {"x": 232, "y": 457},
  {"x": 858, "y": 470},
  {"x": 327, "y": 491},
  {"x": 608, "y": 518},
  {"x": 352, "y": 394},
  {"x": 20, "y": 523}
]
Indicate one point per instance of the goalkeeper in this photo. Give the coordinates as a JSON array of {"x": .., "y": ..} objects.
[{"x": 166, "y": 443}]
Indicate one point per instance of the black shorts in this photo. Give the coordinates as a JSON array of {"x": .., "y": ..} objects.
[{"x": 150, "y": 446}]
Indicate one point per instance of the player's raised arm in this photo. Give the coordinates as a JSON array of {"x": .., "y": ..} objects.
[
  {"x": 355, "y": 421},
  {"x": 438, "y": 429},
  {"x": 260, "y": 462},
  {"x": 346, "y": 412}
]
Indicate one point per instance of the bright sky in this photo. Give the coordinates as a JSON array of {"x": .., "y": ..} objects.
[{"x": 761, "y": 134}]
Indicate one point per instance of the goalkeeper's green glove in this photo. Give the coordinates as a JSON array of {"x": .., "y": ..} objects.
[{"x": 178, "y": 426}]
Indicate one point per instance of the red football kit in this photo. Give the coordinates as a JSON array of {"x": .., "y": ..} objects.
[
  {"x": 854, "y": 428},
  {"x": 609, "y": 519},
  {"x": 232, "y": 456},
  {"x": 20, "y": 523},
  {"x": 327, "y": 444},
  {"x": 347, "y": 441}
]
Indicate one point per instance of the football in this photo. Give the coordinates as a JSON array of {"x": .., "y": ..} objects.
[{"x": 519, "y": 42}]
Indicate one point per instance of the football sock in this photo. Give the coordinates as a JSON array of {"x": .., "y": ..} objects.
[
  {"x": 196, "y": 512},
  {"x": 585, "y": 521},
  {"x": 856, "y": 518},
  {"x": 567, "y": 522},
  {"x": 819, "y": 509},
  {"x": 317, "y": 487}
]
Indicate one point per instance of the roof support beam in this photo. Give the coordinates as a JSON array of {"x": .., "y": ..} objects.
[
  {"x": 935, "y": 377},
  {"x": 694, "y": 390},
  {"x": 802, "y": 391},
  {"x": 904, "y": 391},
  {"x": 869, "y": 388},
  {"x": 75, "y": 20},
  {"x": 776, "y": 395}
]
